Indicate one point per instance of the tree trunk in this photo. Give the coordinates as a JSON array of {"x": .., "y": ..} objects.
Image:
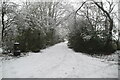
[{"x": 3, "y": 26}]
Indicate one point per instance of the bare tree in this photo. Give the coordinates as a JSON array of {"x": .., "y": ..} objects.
[{"x": 107, "y": 13}]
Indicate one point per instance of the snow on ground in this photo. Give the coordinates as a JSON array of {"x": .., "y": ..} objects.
[
  {"x": 0, "y": 68},
  {"x": 1, "y": 50},
  {"x": 58, "y": 61},
  {"x": 0, "y": 63}
]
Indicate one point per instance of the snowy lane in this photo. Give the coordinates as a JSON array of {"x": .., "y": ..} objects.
[{"x": 58, "y": 62}]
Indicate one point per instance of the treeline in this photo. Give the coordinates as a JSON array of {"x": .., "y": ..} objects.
[
  {"x": 93, "y": 30},
  {"x": 84, "y": 40},
  {"x": 32, "y": 24},
  {"x": 36, "y": 25}
]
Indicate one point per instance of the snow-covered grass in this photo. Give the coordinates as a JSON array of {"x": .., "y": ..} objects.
[
  {"x": 1, "y": 50},
  {"x": 1, "y": 63},
  {"x": 0, "y": 68},
  {"x": 113, "y": 58},
  {"x": 59, "y": 61}
]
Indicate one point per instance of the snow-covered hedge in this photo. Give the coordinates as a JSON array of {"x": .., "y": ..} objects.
[
  {"x": 32, "y": 39},
  {"x": 84, "y": 39}
]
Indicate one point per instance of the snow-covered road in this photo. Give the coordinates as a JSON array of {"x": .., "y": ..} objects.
[{"x": 58, "y": 61}]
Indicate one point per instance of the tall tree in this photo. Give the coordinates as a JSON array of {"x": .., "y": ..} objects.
[
  {"x": 108, "y": 14},
  {"x": 3, "y": 15}
]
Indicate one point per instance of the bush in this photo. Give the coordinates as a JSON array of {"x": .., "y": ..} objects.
[
  {"x": 31, "y": 40},
  {"x": 34, "y": 40},
  {"x": 118, "y": 46},
  {"x": 88, "y": 41},
  {"x": 94, "y": 45}
]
